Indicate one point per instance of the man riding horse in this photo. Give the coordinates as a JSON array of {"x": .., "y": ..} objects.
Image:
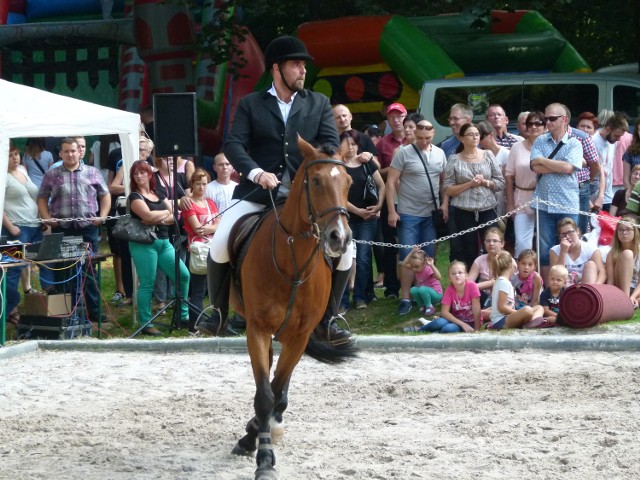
[{"x": 263, "y": 148}]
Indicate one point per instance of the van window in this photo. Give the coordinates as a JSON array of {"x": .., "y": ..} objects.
[
  {"x": 578, "y": 97},
  {"x": 627, "y": 100},
  {"x": 478, "y": 98},
  {"x": 518, "y": 98}
]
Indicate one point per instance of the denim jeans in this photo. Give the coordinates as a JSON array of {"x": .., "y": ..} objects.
[
  {"x": 365, "y": 230},
  {"x": 548, "y": 224},
  {"x": 26, "y": 235},
  {"x": 441, "y": 325},
  {"x": 413, "y": 230},
  {"x": 585, "y": 195}
]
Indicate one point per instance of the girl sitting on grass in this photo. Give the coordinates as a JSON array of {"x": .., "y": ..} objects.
[
  {"x": 427, "y": 291},
  {"x": 460, "y": 310},
  {"x": 527, "y": 282},
  {"x": 482, "y": 268},
  {"x": 503, "y": 312}
]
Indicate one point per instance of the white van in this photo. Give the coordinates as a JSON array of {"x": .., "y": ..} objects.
[{"x": 526, "y": 92}]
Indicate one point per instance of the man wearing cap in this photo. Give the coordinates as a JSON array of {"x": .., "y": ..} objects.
[
  {"x": 386, "y": 147},
  {"x": 263, "y": 148},
  {"x": 390, "y": 142}
]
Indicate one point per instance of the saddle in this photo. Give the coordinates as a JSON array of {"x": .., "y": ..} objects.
[{"x": 240, "y": 238}]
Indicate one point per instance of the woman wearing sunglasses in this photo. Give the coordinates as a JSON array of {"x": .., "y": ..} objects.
[
  {"x": 521, "y": 183},
  {"x": 472, "y": 177}
]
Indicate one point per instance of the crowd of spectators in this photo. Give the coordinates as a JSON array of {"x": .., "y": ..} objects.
[{"x": 546, "y": 177}]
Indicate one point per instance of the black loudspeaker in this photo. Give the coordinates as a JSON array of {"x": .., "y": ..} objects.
[{"x": 175, "y": 125}]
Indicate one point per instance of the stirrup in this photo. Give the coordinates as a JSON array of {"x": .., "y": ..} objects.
[
  {"x": 339, "y": 316},
  {"x": 221, "y": 324}
]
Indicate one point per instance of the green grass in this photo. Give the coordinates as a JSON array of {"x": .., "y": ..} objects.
[{"x": 379, "y": 318}]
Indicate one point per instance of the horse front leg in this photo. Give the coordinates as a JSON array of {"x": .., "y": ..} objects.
[
  {"x": 247, "y": 445},
  {"x": 266, "y": 457},
  {"x": 281, "y": 402},
  {"x": 292, "y": 351},
  {"x": 260, "y": 352}
]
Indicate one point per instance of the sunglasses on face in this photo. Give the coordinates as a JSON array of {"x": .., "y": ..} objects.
[
  {"x": 553, "y": 118},
  {"x": 536, "y": 123},
  {"x": 428, "y": 128}
]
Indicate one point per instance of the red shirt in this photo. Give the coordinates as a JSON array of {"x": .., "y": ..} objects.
[
  {"x": 203, "y": 215},
  {"x": 386, "y": 146}
]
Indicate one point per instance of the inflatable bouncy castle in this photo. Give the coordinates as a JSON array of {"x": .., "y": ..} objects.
[
  {"x": 118, "y": 53},
  {"x": 365, "y": 62}
]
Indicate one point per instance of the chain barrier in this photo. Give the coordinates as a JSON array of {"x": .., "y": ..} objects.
[
  {"x": 486, "y": 224},
  {"x": 447, "y": 237},
  {"x": 577, "y": 211},
  {"x": 51, "y": 221},
  {"x": 564, "y": 208}
]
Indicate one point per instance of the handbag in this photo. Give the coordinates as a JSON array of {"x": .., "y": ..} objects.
[
  {"x": 370, "y": 195},
  {"x": 199, "y": 251},
  {"x": 437, "y": 217},
  {"x": 131, "y": 229}
]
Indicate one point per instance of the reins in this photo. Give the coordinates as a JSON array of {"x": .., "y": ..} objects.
[{"x": 314, "y": 232}]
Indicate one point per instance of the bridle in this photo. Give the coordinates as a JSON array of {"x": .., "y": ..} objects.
[
  {"x": 313, "y": 216},
  {"x": 314, "y": 232}
]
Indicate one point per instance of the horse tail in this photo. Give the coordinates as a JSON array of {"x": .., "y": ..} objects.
[{"x": 324, "y": 351}]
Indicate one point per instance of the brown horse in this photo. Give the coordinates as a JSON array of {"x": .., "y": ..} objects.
[{"x": 285, "y": 288}]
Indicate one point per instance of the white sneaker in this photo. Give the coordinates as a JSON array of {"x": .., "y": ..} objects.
[{"x": 424, "y": 321}]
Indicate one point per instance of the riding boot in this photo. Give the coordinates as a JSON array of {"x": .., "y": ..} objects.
[
  {"x": 219, "y": 284},
  {"x": 327, "y": 327}
]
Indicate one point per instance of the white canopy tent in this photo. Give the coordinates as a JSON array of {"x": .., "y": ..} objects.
[{"x": 29, "y": 112}]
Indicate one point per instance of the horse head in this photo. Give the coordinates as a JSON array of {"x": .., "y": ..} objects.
[{"x": 322, "y": 200}]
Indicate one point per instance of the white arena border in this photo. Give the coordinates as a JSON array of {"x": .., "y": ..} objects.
[{"x": 375, "y": 343}]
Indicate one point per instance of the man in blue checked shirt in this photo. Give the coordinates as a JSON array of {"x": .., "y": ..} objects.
[{"x": 557, "y": 181}]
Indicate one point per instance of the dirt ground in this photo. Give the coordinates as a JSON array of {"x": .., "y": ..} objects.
[{"x": 456, "y": 415}]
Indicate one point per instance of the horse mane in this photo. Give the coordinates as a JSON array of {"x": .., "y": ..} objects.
[{"x": 327, "y": 149}]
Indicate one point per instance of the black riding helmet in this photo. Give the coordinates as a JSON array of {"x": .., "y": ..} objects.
[{"x": 285, "y": 48}]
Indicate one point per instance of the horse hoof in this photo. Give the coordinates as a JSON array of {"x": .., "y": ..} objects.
[
  {"x": 266, "y": 473},
  {"x": 277, "y": 431},
  {"x": 241, "y": 451}
]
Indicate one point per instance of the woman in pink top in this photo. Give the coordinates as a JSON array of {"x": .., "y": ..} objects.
[
  {"x": 521, "y": 182},
  {"x": 200, "y": 223}
]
